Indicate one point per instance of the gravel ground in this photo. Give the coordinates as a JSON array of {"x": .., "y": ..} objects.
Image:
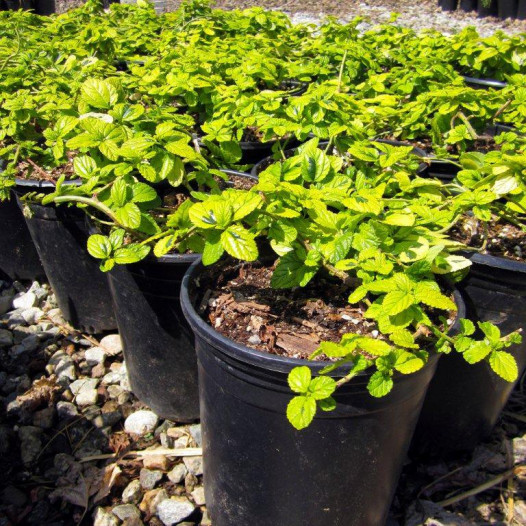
[
  {"x": 416, "y": 14},
  {"x": 76, "y": 447}
]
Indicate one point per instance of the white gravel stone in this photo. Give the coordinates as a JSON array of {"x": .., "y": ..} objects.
[
  {"x": 199, "y": 496},
  {"x": 85, "y": 391},
  {"x": 55, "y": 315},
  {"x": 195, "y": 432},
  {"x": 65, "y": 370},
  {"x": 174, "y": 510},
  {"x": 102, "y": 517},
  {"x": 177, "y": 474},
  {"x": 25, "y": 301},
  {"x": 66, "y": 410},
  {"x": 94, "y": 356},
  {"x": 111, "y": 378},
  {"x": 32, "y": 315},
  {"x": 87, "y": 397},
  {"x": 125, "y": 383},
  {"x": 194, "y": 465},
  {"x": 57, "y": 357},
  {"x": 39, "y": 291},
  {"x": 141, "y": 422},
  {"x": 111, "y": 344},
  {"x": 126, "y": 511},
  {"x": 83, "y": 383},
  {"x": 132, "y": 492},
  {"x": 149, "y": 478}
]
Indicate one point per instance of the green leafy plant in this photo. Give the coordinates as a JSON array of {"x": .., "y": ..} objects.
[{"x": 320, "y": 214}]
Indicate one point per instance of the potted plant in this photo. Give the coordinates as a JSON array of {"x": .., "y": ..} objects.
[
  {"x": 493, "y": 232},
  {"x": 339, "y": 238},
  {"x": 34, "y": 166}
]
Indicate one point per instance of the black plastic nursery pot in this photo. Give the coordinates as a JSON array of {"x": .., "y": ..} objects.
[
  {"x": 293, "y": 87},
  {"x": 507, "y": 8},
  {"x": 491, "y": 10},
  {"x": 45, "y": 7},
  {"x": 18, "y": 255},
  {"x": 468, "y": 5},
  {"x": 254, "y": 152},
  {"x": 464, "y": 401},
  {"x": 448, "y": 5},
  {"x": 442, "y": 169},
  {"x": 447, "y": 169},
  {"x": 342, "y": 470},
  {"x": 264, "y": 163},
  {"x": 158, "y": 344},
  {"x": 60, "y": 235}
]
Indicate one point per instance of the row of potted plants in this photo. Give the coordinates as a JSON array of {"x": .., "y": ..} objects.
[
  {"x": 500, "y": 8},
  {"x": 331, "y": 280}
]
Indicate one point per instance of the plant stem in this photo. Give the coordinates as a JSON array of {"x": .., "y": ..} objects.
[
  {"x": 502, "y": 109},
  {"x": 471, "y": 130},
  {"x": 342, "y": 66},
  {"x": 95, "y": 203},
  {"x": 15, "y": 53},
  {"x": 346, "y": 379}
]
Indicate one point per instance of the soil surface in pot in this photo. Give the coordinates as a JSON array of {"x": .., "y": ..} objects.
[
  {"x": 243, "y": 307},
  {"x": 484, "y": 144},
  {"x": 503, "y": 239},
  {"x": 237, "y": 181},
  {"x": 29, "y": 169}
]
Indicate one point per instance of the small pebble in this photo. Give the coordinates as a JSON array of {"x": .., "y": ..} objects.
[
  {"x": 32, "y": 315},
  {"x": 94, "y": 356},
  {"x": 66, "y": 410},
  {"x": 199, "y": 496},
  {"x": 24, "y": 301},
  {"x": 141, "y": 422},
  {"x": 178, "y": 473},
  {"x": 125, "y": 511},
  {"x": 132, "y": 492},
  {"x": 111, "y": 344},
  {"x": 174, "y": 510},
  {"x": 194, "y": 465},
  {"x": 156, "y": 462},
  {"x": 149, "y": 478},
  {"x": 101, "y": 517}
]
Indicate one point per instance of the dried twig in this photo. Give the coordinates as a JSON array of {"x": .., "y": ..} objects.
[
  {"x": 439, "y": 479},
  {"x": 41, "y": 171},
  {"x": 510, "y": 504},
  {"x": 58, "y": 433},
  {"x": 483, "y": 487},
  {"x": 186, "y": 452},
  {"x": 517, "y": 416}
]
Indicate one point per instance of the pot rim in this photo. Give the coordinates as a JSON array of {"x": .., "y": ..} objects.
[
  {"x": 246, "y": 354},
  {"x": 488, "y": 83},
  {"x": 497, "y": 262},
  {"x": 35, "y": 183},
  {"x": 419, "y": 152}
]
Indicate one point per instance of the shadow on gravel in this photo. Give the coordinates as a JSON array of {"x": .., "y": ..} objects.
[{"x": 65, "y": 456}]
